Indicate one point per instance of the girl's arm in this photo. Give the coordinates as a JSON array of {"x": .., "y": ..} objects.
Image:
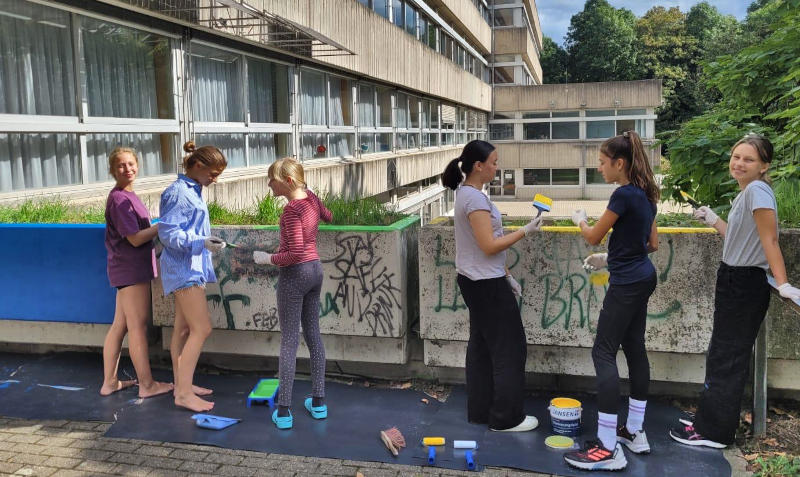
[
  {"x": 170, "y": 229},
  {"x": 766, "y": 223},
  {"x": 721, "y": 226},
  {"x": 481, "y": 223},
  {"x": 595, "y": 233},
  {"x": 143, "y": 236},
  {"x": 292, "y": 229},
  {"x": 652, "y": 242}
]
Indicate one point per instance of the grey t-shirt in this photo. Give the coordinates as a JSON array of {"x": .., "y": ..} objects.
[
  {"x": 470, "y": 259},
  {"x": 742, "y": 244}
]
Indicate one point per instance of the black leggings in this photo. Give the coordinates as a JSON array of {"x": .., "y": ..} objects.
[
  {"x": 622, "y": 321},
  {"x": 741, "y": 300},
  {"x": 496, "y": 353}
]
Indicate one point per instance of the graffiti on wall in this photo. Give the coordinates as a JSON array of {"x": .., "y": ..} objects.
[
  {"x": 554, "y": 284},
  {"x": 364, "y": 287}
]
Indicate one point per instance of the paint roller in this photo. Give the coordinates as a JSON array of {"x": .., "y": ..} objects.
[
  {"x": 542, "y": 203},
  {"x": 432, "y": 442},
  {"x": 690, "y": 200},
  {"x": 468, "y": 447}
]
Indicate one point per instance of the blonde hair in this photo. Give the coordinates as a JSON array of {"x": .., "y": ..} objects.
[
  {"x": 118, "y": 151},
  {"x": 282, "y": 169},
  {"x": 209, "y": 156}
]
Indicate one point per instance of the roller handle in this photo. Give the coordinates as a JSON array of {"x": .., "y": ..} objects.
[
  {"x": 470, "y": 461},
  {"x": 431, "y": 455}
]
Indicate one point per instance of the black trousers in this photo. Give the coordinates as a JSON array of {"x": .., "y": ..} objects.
[
  {"x": 622, "y": 322},
  {"x": 741, "y": 300},
  {"x": 496, "y": 353}
]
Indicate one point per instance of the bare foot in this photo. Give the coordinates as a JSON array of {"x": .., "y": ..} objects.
[
  {"x": 194, "y": 403},
  {"x": 154, "y": 389},
  {"x": 107, "y": 389},
  {"x": 201, "y": 391}
]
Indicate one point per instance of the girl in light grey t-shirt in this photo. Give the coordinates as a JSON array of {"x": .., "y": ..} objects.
[
  {"x": 497, "y": 346},
  {"x": 741, "y": 296}
]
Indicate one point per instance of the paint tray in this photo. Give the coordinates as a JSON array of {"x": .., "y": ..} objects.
[
  {"x": 216, "y": 423},
  {"x": 264, "y": 391}
]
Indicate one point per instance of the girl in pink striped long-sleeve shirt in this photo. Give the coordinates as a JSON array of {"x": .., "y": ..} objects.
[{"x": 299, "y": 286}]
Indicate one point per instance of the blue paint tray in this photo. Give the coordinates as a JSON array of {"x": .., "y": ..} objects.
[
  {"x": 264, "y": 391},
  {"x": 216, "y": 423}
]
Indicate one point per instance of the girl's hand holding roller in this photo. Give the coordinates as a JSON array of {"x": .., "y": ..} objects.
[
  {"x": 262, "y": 258},
  {"x": 596, "y": 261}
]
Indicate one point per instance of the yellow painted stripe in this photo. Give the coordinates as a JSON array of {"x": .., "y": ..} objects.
[{"x": 661, "y": 230}]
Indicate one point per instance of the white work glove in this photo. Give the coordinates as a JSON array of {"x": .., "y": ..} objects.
[
  {"x": 579, "y": 216},
  {"x": 595, "y": 261},
  {"x": 214, "y": 244},
  {"x": 532, "y": 226},
  {"x": 706, "y": 215},
  {"x": 788, "y": 291},
  {"x": 262, "y": 258},
  {"x": 516, "y": 288}
]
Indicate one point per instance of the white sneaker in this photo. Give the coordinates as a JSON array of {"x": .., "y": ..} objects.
[
  {"x": 596, "y": 457},
  {"x": 528, "y": 424},
  {"x": 636, "y": 442}
]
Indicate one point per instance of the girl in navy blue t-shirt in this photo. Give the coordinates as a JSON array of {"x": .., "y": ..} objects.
[{"x": 631, "y": 211}]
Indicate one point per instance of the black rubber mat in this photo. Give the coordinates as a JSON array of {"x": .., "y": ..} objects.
[{"x": 59, "y": 386}]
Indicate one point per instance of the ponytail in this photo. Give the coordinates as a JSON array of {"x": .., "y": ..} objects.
[
  {"x": 628, "y": 147},
  {"x": 475, "y": 151}
]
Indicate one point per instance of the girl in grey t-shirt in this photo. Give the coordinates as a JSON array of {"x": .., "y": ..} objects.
[
  {"x": 497, "y": 347},
  {"x": 741, "y": 296}
]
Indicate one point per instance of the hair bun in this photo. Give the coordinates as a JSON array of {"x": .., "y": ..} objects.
[{"x": 189, "y": 146}]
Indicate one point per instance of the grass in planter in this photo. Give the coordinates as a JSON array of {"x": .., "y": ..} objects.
[{"x": 51, "y": 212}]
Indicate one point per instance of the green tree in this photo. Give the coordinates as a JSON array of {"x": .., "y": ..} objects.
[
  {"x": 554, "y": 62},
  {"x": 602, "y": 45},
  {"x": 666, "y": 53},
  {"x": 759, "y": 89}
]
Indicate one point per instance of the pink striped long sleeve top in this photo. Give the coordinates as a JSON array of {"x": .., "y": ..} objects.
[{"x": 299, "y": 224}]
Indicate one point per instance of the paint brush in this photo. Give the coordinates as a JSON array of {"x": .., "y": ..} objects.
[
  {"x": 542, "y": 203},
  {"x": 690, "y": 200}
]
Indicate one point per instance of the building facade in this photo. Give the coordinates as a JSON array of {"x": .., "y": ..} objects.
[{"x": 374, "y": 96}]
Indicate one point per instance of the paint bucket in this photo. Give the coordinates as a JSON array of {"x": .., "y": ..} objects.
[{"x": 565, "y": 416}]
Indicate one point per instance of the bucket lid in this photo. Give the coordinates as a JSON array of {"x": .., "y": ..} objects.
[
  {"x": 559, "y": 442},
  {"x": 563, "y": 402}
]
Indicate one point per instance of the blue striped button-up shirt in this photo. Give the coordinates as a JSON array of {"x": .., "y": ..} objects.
[{"x": 183, "y": 228}]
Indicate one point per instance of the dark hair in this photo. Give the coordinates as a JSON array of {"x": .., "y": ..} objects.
[
  {"x": 475, "y": 151},
  {"x": 209, "y": 156},
  {"x": 628, "y": 147},
  {"x": 762, "y": 146}
]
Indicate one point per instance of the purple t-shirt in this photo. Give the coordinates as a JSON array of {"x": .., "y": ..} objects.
[{"x": 126, "y": 215}]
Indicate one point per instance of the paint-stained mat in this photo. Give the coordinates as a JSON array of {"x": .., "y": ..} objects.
[{"x": 59, "y": 386}]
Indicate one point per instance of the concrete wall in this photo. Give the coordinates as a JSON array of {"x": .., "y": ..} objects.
[
  {"x": 518, "y": 41},
  {"x": 368, "y": 291},
  {"x": 630, "y": 94},
  {"x": 468, "y": 18},
  {"x": 560, "y": 303}
]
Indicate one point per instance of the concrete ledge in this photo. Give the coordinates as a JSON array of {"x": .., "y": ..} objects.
[
  {"x": 53, "y": 333},
  {"x": 337, "y": 347}
]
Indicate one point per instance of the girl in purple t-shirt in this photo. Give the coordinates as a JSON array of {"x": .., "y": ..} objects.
[{"x": 131, "y": 267}]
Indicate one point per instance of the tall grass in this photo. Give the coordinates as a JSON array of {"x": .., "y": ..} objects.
[
  {"x": 51, "y": 211},
  {"x": 787, "y": 194}
]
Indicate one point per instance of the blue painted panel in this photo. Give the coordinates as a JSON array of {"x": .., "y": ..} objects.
[{"x": 55, "y": 272}]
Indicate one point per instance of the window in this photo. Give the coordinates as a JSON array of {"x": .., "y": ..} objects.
[
  {"x": 381, "y": 8},
  {"x": 397, "y": 13},
  {"x": 216, "y": 85},
  {"x": 383, "y": 142},
  {"x": 637, "y": 125},
  {"x": 267, "y": 148},
  {"x": 565, "y": 114},
  {"x": 401, "y": 110},
  {"x": 384, "y": 107},
  {"x": 568, "y": 130},
  {"x": 501, "y": 132},
  {"x": 504, "y": 17},
  {"x": 535, "y": 177},
  {"x": 314, "y": 145},
  {"x": 268, "y": 91},
  {"x": 366, "y": 106},
  {"x": 413, "y": 107},
  {"x": 631, "y": 112},
  {"x": 536, "y": 131},
  {"x": 600, "y": 112},
  {"x": 594, "y": 177},
  {"x": 565, "y": 177},
  {"x": 231, "y": 145},
  {"x": 155, "y": 153},
  {"x": 599, "y": 129},
  {"x": 31, "y": 161},
  {"x": 423, "y": 29},
  {"x": 411, "y": 20},
  {"x": 503, "y": 74},
  {"x": 312, "y": 97},
  {"x": 433, "y": 35},
  {"x": 535, "y": 115},
  {"x": 340, "y": 102}
]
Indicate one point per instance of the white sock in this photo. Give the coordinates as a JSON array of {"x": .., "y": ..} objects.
[
  {"x": 635, "y": 415},
  {"x": 607, "y": 430}
]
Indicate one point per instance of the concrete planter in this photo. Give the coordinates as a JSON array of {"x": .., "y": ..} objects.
[
  {"x": 368, "y": 294},
  {"x": 560, "y": 303}
]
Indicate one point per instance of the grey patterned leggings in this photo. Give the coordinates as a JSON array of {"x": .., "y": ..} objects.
[{"x": 299, "y": 287}]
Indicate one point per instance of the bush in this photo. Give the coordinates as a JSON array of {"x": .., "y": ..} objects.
[{"x": 53, "y": 211}]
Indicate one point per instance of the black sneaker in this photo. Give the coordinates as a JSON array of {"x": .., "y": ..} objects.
[
  {"x": 596, "y": 457},
  {"x": 687, "y": 435},
  {"x": 636, "y": 442},
  {"x": 687, "y": 419}
]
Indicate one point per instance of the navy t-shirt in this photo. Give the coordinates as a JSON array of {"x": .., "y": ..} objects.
[{"x": 627, "y": 247}]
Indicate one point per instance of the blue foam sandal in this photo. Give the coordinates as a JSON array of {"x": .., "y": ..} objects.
[
  {"x": 282, "y": 422},
  {"x": 319, "y": 412}
]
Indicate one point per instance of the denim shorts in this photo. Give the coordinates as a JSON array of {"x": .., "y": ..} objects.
[{"x": 190, "y": 284}]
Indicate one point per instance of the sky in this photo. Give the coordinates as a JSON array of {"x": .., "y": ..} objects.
[{"x": 554, "y": 15}]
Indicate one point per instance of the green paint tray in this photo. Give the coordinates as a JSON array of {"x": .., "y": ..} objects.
[{"x": 264, "y": 391}]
